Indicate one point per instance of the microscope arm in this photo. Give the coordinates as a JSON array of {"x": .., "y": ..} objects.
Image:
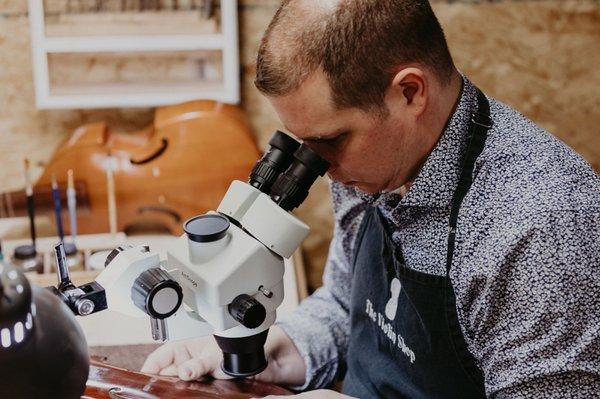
[
  {"x": 133, "y": 276},
  {"x": 138, "y": 284}
]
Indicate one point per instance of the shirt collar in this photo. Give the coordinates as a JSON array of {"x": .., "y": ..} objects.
[{"x": 437, "y": 180}]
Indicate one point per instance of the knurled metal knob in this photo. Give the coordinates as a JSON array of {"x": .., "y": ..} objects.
[
  {"x": 156, "y": 293},
  {"x": 247, "y": 311}
]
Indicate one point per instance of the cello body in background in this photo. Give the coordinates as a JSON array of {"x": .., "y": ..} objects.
[{"x": 178, "y": 167}]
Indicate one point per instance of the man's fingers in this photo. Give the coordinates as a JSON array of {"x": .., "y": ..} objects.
[
  {"x": 170, "y": 371},
  {"x": 194, "y": 369},
  {"x": 158, "y": 360},
  {"x": 181, "y": 354}
]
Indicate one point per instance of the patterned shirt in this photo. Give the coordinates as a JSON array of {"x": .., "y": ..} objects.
[{"x": 526, "y": 266}]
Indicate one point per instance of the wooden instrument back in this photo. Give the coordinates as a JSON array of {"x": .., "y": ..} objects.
[{"x": 177, "y": 168}]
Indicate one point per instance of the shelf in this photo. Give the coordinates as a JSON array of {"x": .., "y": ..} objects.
[
  {"x": 129, "y": 23},
  {"x": 58, "y": 39},
  {"x": 145, "y": 88},
  {"x": 141, "y": 94},
  {"x": 94, "y": 44}
]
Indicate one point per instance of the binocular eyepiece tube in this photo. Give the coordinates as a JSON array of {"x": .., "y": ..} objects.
[
  {"x": 287, "y": 171},
  {"x": 275, "y": 161}
]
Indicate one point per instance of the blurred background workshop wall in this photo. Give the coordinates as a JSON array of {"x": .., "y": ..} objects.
[{"x": 541, "y": 57}]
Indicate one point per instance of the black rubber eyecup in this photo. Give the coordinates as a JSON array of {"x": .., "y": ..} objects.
[
  {"x": 284, "y": 142},
  {"x": 312, "y": 160}
]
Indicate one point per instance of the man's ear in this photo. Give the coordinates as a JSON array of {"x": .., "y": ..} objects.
[{"x": 410, "y": 88}]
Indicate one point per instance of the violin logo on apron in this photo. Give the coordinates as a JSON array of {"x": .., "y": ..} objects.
[
  {"x": 392, "y": 306},
  {"x": 389, "y": 313}
]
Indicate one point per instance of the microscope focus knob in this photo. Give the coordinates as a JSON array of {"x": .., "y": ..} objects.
[
  {"x": 247, "y": 311},
  {"x": 156, "y": 293}
]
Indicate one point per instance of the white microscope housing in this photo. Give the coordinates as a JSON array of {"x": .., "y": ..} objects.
[{"x": 224, "y": 276}]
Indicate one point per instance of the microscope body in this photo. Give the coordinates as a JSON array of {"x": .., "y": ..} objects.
[
  {"x": 224, "y": 275},
  {"x": 248, "y": 259}
]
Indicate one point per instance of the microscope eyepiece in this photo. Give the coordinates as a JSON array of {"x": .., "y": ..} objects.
[
  {"x": 206, "y": 228},
  {"x": 291, "y": 187},
  {"x": 274, "y": 162}
]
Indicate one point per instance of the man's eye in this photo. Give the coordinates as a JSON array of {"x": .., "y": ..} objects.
[{"x": 331, "y": 140}]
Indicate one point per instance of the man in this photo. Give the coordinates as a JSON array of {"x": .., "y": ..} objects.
[{"x": 465, "y": 255}]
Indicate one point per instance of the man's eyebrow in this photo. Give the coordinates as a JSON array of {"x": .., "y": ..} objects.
[{"x": 314, "y": 137}]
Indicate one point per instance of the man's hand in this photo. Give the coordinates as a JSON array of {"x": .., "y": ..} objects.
[
  {"x": 194, "y": 359},
  {"x": 318, "y": 394}
]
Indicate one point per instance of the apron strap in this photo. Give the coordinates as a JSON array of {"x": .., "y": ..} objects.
[{"x": 481, "y": 122}]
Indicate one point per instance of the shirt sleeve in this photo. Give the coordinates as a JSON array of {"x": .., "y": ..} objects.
[
  {"x": 572, "y": 385},
  {"x": 532, "y": 318},
  {"x": 320, "y": 326}
]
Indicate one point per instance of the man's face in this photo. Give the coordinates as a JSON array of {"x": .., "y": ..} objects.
[{"x": 364, "y": 149}]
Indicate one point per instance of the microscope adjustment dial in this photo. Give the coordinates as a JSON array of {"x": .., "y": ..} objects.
[
  {"x": 156, "y": 293},
  {"x": 247, "y": 311}
]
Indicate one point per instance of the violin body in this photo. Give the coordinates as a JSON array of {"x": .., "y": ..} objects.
[
  {"x": 111, "y": 382},
  {"x": 178, "y": 167}
]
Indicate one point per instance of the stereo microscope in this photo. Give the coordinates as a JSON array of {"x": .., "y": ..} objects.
[{"x": 224, "y": 275}]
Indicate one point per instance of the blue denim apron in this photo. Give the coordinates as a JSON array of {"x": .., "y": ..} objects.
[{"x": 405, "y": 339}]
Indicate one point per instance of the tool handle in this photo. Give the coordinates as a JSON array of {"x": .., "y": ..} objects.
[
  {"x": 58, "y": 213},
  {"x": 72, "y": 205},
  {"x": 31, "y": 214}
]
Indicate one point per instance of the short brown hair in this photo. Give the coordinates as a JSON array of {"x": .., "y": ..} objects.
[{"x": 359, "y": 44}]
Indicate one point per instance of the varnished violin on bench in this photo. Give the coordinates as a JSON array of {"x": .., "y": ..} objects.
[
  {"x": 178, "y": 167},
  {"x": 106, "y": 382}
]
